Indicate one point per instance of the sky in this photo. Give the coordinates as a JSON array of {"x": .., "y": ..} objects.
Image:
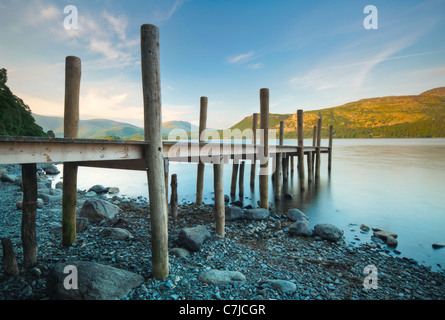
[{"x": 310, "y": 54}]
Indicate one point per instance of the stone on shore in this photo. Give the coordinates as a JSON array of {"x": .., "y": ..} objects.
[
  {"x": 94, "y": 281},
  {"x": 193, "y": 238},
  {"x": 215, "y": 276},
  {"x": 388, "y": 236},
  {"x": 257, "y": 214},
  {"x": 301, "y": 228},
  {"x": 179, "y": 252},
  {"x": 233, "y": 213},
  {"x": 296, "y": 215},
  {"x": 438, "y": 245},
  {"x": 99, "y": 189},
  {"x": 282, "y": 285},
  {"x": 116, "y": 234},
  {"x": 328, "y": 232},
  {"x": 7, "y": 177},
  {"x": 97, "y": 210},
  {"x": 51, "y": 169}
]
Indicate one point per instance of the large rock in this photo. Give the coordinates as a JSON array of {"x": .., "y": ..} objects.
[
  {"x": 233, "y": 213},
  {"x": 94, "y": 281},
  {"x": 388, "y": 236},
  {"x": 116, "y": 234},
  {"x": 215, "y": 276},
  {"x": 282, "y": 285},
  {"x": 193, "y": 238},
  {"x": 7, "y": 177},
  {"x": 301, "y": 228},
  {"x": 98, "y": 209},
  {"x": 296, "y": 215},
  {"x": 328, "y": 231},
  {"x": 98, "y": 189},
  {"x": 51, "y": 169},
  {"x": 257, "y": 214}
]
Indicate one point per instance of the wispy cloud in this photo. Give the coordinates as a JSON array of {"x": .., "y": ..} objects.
[{"x": 241, "y": 58}]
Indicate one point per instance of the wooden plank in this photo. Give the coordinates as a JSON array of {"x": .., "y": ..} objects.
[{"x": 151, "y": 84}]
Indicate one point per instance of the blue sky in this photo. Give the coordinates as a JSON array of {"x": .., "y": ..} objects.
[{"x": 310, "y": 54}]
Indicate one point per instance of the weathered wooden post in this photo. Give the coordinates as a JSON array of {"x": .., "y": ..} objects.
[
  {"x": 9, "y": 260},
  {"x": 218, "y": 186},
  {"x": 317, "y": 166},
  {"x": 253, "y": 165},
  {"x": 314, "y": 144},
  {"x": 73, "y": 71},
  {"x": 235, "y": 167},
  {"x": 166, "y": 171},
  {"x": 151, "y": 84},
  {"x": 202, "y": 127},
  {"x": 279, "y": 166},
  {"x": 174, "y": 196},
  {"x": 300, "y": 148},
  {"x": 310, "y": 167},
  {"x": 264, "y": 164},
  {"x": 241, "y": 180},
  {"x": 331, "y": 132},
  {"x": 29, "y": 211}
]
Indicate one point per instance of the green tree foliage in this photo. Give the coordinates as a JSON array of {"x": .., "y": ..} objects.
[{"x": 15, "y": 115}]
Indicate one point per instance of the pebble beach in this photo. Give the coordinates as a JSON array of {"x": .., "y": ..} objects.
[{"x": 260, "y": 258}]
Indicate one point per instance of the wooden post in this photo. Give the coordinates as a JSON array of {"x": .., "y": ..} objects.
[
  {"x": 292, "y": 164},
  {"x": 235, "y": 167},
  {"x": 29, "y": 211},
  {"x": 241, "y": 180},
  {"x": 218, "y": 186},
  {"x": 285, "y": 165},
  {"x": 151, "y": 84},
  {"x": 331, "y": 131},
  {"x": 253, "y": 165},
  {"x": 279, "y": 166},
  {"x": 314, "y": 144},
  {"x": 174, "y": 196},
  {"x": 9, "y": 260},
  {"x": 202, "y": 127},
  {"x": 317, "y": 166},
  {"x": 73, "y": 71},
  {"x": 310, "y": 167},
  {"x": 300, "y": 148},
  {"x": 166, "y": 173},
  {"x": 264, "y": 166}
]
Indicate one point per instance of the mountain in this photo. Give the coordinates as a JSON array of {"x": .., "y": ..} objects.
[
  {"x": 110, "y": 129},
  {"x": 15, "y": 115},
  {"x": 414, "y": 116}
]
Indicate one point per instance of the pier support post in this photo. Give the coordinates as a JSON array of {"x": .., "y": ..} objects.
[
  {"x": 29, "y": 211},
  {"x": 317, "y": 166},
  {"x": 241, "y": 180},
  {"x": 218, "y": 185},
  {"x": 174, "y": 196},
  {"x": 314, "y": 144},
  {"x": 9, "y": 260},
  {"x": 331, "y": 131},
  {"x": 253, "y": 165},
  {"x": 73, "y": 70},
  {"x": 202, "y": 128},
  {"x": 264, "y": 164},
  {"x": 235, "y": 167},
  {"x": 300, "y": 148},
  {"x": 151, "y": 84},
  {"x": 278, "y": 179}
]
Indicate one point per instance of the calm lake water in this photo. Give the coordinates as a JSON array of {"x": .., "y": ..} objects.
[{"x": 392, "y": 184}]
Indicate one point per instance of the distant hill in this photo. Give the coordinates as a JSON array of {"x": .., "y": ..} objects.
[
  {"x": 15, "y": 115},
  {"x": 414, "y": 116},
  {"x": 109, "y": 129}
]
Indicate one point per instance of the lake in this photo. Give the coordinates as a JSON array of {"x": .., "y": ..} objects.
[{"x": 391, "y": 184}]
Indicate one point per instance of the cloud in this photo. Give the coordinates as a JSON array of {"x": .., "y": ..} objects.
[{"x": 241, "y": 58}]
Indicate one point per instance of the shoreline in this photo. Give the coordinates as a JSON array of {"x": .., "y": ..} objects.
[{"x": 261, "y": 250}]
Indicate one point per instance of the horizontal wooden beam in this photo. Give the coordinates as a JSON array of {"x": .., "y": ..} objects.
[{"x": 126, "y": 154}]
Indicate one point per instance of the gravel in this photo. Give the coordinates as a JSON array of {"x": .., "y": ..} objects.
[{"x": 261, "y": 250}]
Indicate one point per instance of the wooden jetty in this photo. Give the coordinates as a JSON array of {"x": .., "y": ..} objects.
[{"x": 153, "y": 156}]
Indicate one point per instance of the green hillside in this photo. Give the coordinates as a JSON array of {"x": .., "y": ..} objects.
[
  {"x": 415, "y": 116},
  {"x": 15, "y": 115}
]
